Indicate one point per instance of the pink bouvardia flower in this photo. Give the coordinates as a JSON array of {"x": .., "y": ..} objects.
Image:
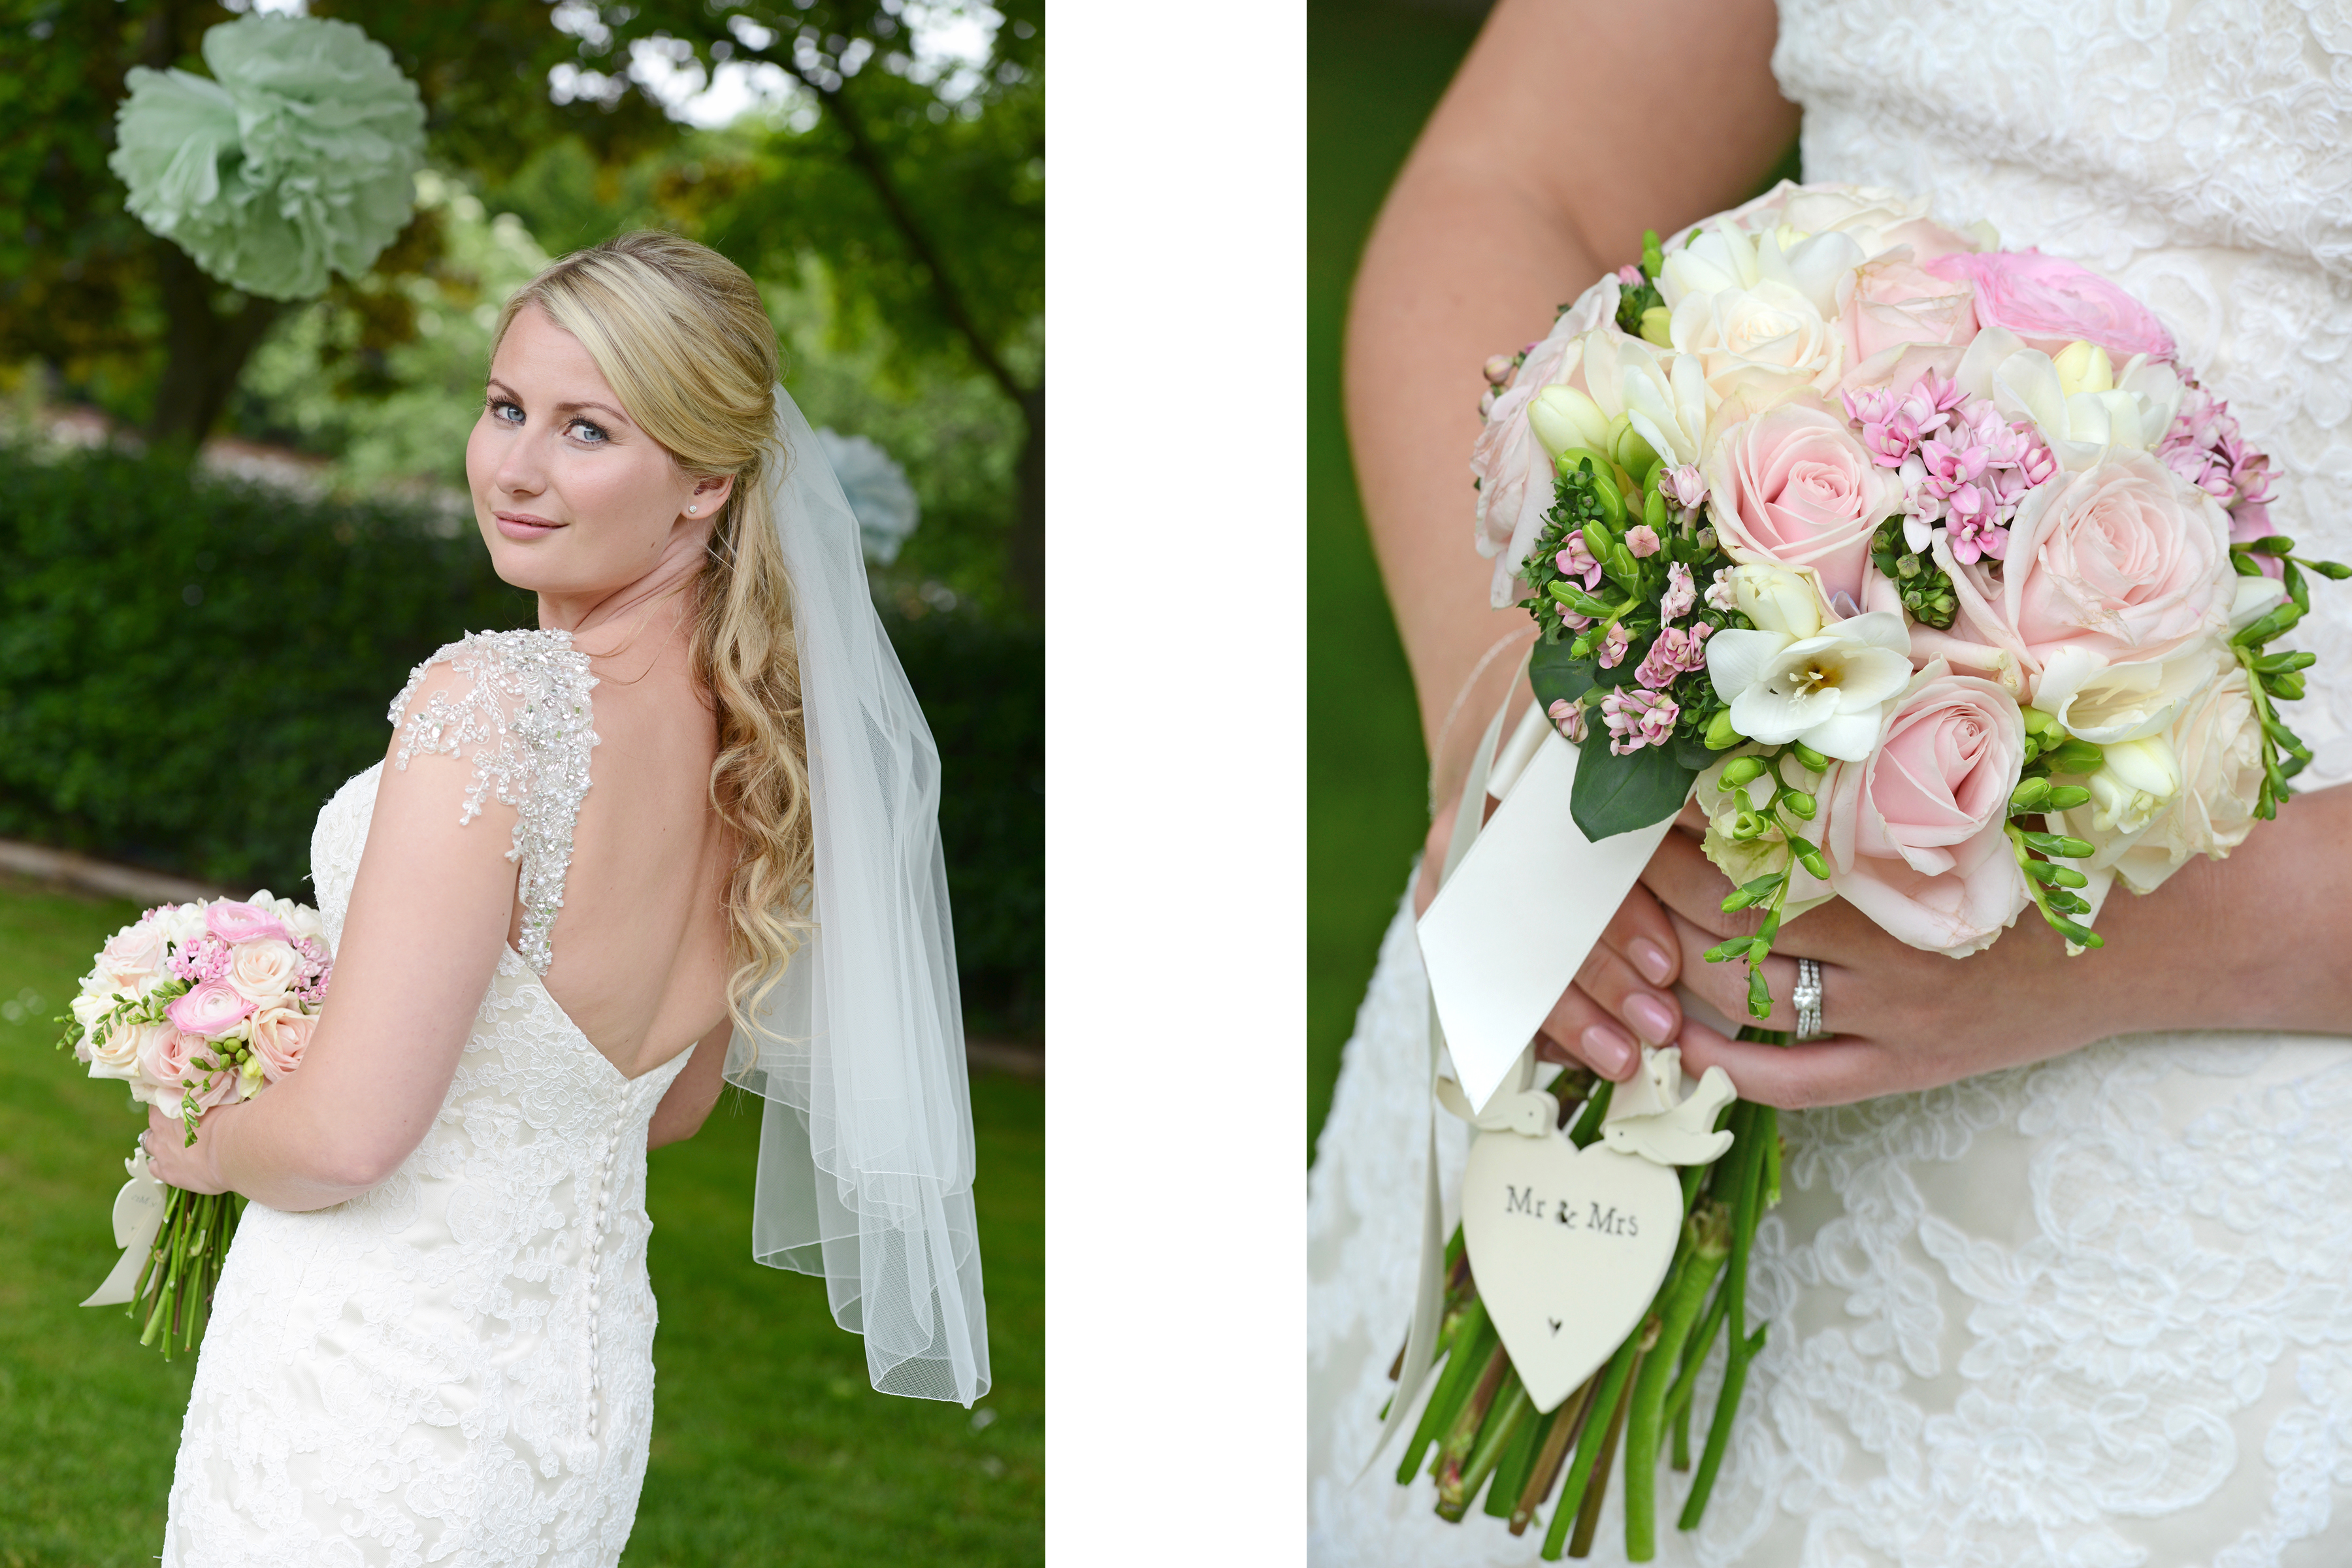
[
  {"x": 2049, "y": 303},
  {"x": 1718, "y": 592},
  {"x": 1568, "y": 717},
  {"x": 1642, "y": 540},
  {"x": 1637, "y": 719},
  {"x": 1676, "y": 652},
  {"x": 1630, "y": 275},
  {"x": 1576, "y": 559},
  {"x": 1613, "y": 646},
  {"x": 206, "y": 958},
  {"x": 1681, "y": 593},
  {"x": 1687, "y": 486},
  {"x": 2205, "y": 448}
]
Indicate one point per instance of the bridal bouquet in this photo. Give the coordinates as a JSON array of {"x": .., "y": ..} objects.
[
  {"x": 1935, "y": 577},
  {"x": 194, "y": 1005}
]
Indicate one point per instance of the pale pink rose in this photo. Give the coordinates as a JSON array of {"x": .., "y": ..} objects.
[
  {"x": 1791, "y": 487},
  {"x": 2049, "y": 303},
  {"x": 1915, "y": 832},
  {"x": 208, "y": 1009},
  {"x": 133, "y": 955},
  {"x": 234, "y": 922},
  {"x": 1886, "y": 305},
  {"x": 280, "y": 1034},
  {"x": 2120, "y": 559},
  {"x": 262, "y": 972},
  {"x": 1513, "y": 471},
  {"x": 164, "y": 1052}
]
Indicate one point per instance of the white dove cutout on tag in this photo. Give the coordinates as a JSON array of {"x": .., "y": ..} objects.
[
  {"x": 1568, "y": 1246},
  {"x": 1649, "y": 1116}
]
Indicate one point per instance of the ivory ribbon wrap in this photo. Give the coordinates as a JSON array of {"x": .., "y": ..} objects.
[
  {"x": 138, "y": 1216},
  {"x": 1521, "y": 900}
]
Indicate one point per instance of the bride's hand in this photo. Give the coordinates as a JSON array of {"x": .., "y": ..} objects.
[
  {"x": 176, "y": 1162},
  {"x": 1623, "y": 994}
]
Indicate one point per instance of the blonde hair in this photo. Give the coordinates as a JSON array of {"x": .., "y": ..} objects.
[{"x": 680, "y": 332}]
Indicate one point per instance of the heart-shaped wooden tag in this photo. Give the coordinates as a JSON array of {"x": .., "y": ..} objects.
[{"x": 1568, "y": 1246}]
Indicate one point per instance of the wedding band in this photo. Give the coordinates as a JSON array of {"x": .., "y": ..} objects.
[{"x": 1807, "y": 1000}]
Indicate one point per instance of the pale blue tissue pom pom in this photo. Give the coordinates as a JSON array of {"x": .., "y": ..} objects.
[
  {"x": 297, "y": 158},
  {"x": 879, "y": 496}
]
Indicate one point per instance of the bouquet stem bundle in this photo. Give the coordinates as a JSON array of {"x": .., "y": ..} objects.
[
  {"x": 1480, "y": 1433},
  {"x": 175, "y": 1294}
]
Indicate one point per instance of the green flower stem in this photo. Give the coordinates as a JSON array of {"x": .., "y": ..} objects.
[
  {"x": 2060, "y": 919},
  {"x": 1446, "y": 1397},
  {"x": 1596, "y": 1490},
  {"x": 1704, "y": 1245},
  {"x": 1746, "y": 1183},
  {"x": 1615, "y": 1382},
  {"x": 1567, "y": 1423},
  {"x": 1588, "y": 1126},
  {"x": 1767, "y": 1128},
  {"x": 1463, "y": 1435},
  {"x": 1509, "y": 1413},
  {"x": 1503, "y": 1496}
]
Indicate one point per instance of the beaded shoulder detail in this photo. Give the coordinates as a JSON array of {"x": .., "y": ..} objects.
[{"x": 524, "y": 723}]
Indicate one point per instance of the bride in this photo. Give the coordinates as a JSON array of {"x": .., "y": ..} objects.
[
  {"x": 578, "y": 896},
  {"x": 2063, "y": 1272}
]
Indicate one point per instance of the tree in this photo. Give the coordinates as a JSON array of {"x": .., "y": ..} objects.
[{"x": 921, "y": 187}]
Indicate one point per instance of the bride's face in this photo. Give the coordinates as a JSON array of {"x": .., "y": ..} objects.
[{"x": 572, "y": 496}]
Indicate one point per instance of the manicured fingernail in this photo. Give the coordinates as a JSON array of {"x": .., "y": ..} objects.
[
  {"x": 1652, "y": 961},
  {"x": 1607, "y": 1050},
  {"x": 1652, "y": 1017}
]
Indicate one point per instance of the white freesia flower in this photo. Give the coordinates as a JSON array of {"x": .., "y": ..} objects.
[
  {"x": 2108, "y": 704},
  {"x": 2137, "y": 779},
  {"x": 2257, "y": 597},
  {"x": 1562, "y": 417},
  {"x": 2083, "y": 407},
  {"x": 1827, "y": 690},
  {"x": 1778, "y": 598}
]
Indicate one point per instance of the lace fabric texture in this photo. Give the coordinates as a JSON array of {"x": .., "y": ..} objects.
[
  {"x": 2096, "y": 1311},
  {"x": 456, "y": 1368}
]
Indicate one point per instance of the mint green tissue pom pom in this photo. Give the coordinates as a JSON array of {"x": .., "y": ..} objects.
[{"x": 297, "y": 158}]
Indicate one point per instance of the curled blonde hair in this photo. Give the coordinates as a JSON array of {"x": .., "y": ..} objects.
[{"x": 680, "y": 334}]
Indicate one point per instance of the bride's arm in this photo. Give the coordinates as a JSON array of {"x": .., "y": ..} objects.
[
  {"x": 1569, "y": 129},
  {"x": 428, "y": 918}
]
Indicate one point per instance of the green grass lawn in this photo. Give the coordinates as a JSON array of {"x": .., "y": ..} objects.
[{"x": 768, "y": 1446}]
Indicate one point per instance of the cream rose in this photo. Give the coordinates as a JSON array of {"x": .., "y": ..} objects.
[
  {"x": 1915, "y": 832},
  {"x": 1756, "y": 312},
  {"x": 2216, "y": 743},
  {"x": 118, "y": 1055},
  {"x": 1889, "y": 304},
  {"x": 2121, "y": 562},
  {"x": 280, "y": 1034},
  {"x": 133, "y": 955},
  {"x": 260, "y": 972},
  {"x": 1793, "y": 488}
]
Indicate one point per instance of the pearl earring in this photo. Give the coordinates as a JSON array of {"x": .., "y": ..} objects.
[{"x": 692, "y": 510}]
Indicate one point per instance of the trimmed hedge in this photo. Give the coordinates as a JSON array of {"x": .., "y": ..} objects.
[{"x": 189, "y": 668}]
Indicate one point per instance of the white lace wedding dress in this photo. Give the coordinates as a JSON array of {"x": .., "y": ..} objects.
[
  {"x": 456, "y": 1368},
  {"x": 2095, "y": 1313}
]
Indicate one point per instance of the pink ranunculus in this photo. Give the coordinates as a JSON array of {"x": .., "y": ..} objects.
[
  {"x": 1914, "y": 832},
  {"x": 234, "y": 922},
  {"x": 2049, "y": 302},
  {"x": 1892, "y": 302},
  {"x": 1513, "y": 471},
  {"x": 133, "y": 955},
  {"x": 208, "y": 1009},
  {"x": 262, "y": 972},
  {"x": 1791, "y": 487},
  {"x": 280, "y": 1034},
  {"x": 2120, "y": 559}
]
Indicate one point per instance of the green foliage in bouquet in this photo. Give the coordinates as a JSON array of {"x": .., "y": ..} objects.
[{"x": 1480, "y": 1435}]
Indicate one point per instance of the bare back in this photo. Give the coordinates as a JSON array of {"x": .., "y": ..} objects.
[{"x": 640, "y": 943}]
